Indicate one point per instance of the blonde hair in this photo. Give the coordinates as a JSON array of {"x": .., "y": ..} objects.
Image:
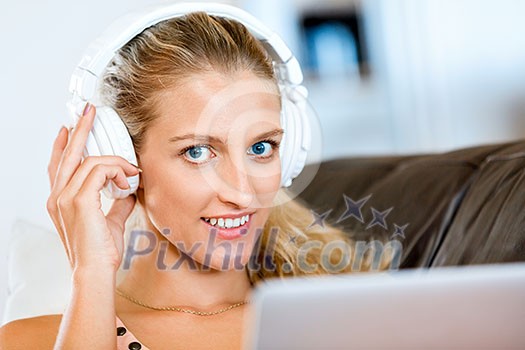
[{"x": 160, "y": 58}]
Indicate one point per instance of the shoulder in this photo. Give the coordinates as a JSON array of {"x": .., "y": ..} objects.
[{"x": 30, "y": 333}]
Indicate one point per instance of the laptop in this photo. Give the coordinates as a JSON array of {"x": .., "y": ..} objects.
[{"x": 472, "y": 307}]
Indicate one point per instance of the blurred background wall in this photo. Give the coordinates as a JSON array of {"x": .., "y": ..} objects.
[{"x": 385, "y": 77}]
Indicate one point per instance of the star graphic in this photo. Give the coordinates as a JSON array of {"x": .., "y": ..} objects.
[
  {"x": 399, "y": 231},
  {"x": 292, "y": 239},
  {"x": 353, "y": 208},
  {"x": 379, "y": 218},
  {"x": 319, "y": 218}
]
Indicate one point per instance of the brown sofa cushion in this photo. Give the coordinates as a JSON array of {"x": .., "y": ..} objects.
[
  {"x": 438, "y": 196},
  {"x": 489, "y": 226}
]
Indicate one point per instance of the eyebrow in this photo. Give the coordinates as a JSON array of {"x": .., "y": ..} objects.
[{"x": 214, "y": 139}]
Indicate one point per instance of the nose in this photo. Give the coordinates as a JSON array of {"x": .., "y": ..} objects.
[{"x": 235, "y": 186}]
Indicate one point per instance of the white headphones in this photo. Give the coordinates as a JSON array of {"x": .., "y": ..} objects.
[{"x": 109, "y": 135}]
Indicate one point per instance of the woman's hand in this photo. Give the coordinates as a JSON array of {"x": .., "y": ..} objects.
[{"x": 91, "y": 239}]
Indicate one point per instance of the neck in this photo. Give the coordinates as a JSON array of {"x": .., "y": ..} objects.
[{"x": 183, "y": 286}]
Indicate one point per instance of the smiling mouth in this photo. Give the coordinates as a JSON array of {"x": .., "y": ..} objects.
[{"x": 228, "y": 222}]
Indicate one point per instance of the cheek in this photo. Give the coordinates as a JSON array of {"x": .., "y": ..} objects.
[
  {"x": 173, "y": 197},
  {"x": 266, "y": 188}
]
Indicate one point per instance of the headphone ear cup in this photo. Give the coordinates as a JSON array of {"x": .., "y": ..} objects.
[
  {"x": 296, "y": 139},
  {"x": 91, "y": 148},
  {"x": 113, "y": 139},
  {"x": 287, "y": 144},
  {"x": 101, "y": 138}
]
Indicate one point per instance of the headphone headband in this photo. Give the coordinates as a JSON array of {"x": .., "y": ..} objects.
[{"x": 84, "y": 81}]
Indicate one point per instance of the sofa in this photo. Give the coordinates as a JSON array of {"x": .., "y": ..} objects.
[{"x": 457, "y": 208}]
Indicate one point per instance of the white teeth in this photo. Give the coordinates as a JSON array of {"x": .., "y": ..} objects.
[{"x": 228, "y": 222}]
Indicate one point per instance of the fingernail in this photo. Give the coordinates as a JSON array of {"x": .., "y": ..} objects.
[
  {"x": 87, "y": 108},
  {"x": 61, "y": 128},
  {"x": 139, "y": 169}
]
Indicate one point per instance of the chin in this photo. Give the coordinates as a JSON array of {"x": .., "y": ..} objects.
[
  {"x": 223, "y": 254},
  {"x": 222, "y": 262}
]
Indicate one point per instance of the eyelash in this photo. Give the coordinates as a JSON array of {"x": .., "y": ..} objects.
[{"x": 275, "y": 147}]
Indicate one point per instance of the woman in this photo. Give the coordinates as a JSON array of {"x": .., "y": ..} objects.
[{"x": 200, "y": 99}]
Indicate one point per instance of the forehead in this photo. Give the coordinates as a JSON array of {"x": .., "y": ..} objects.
[{"x": 217, "y": 101}]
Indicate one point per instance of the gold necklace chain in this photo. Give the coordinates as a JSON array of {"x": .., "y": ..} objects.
[{"x": 178, "y": 309}]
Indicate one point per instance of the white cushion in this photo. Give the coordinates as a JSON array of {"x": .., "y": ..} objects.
[{"x": 39, "y": 273}]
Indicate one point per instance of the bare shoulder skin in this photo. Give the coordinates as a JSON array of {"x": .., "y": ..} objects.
[{"x": 30, "y": 333}]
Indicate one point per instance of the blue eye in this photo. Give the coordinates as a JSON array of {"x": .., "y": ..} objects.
[
  {"x": 198, "y": 154},
  {"x": 262, "y": 149}
]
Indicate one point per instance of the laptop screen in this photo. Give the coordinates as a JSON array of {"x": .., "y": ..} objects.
[{"x": 481, "y": 307}]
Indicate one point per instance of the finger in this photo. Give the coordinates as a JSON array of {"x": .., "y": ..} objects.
[
  {"x": 55, "y": 217},
  {"x": 118, "y": 214},
  {"x": 120, "y": 211},
  {"x": 72, "y": 155},
  {"x": 90, "y": 163},
  {"x": 95, "y": 182},
  {"x": 56, "y": 154}
]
